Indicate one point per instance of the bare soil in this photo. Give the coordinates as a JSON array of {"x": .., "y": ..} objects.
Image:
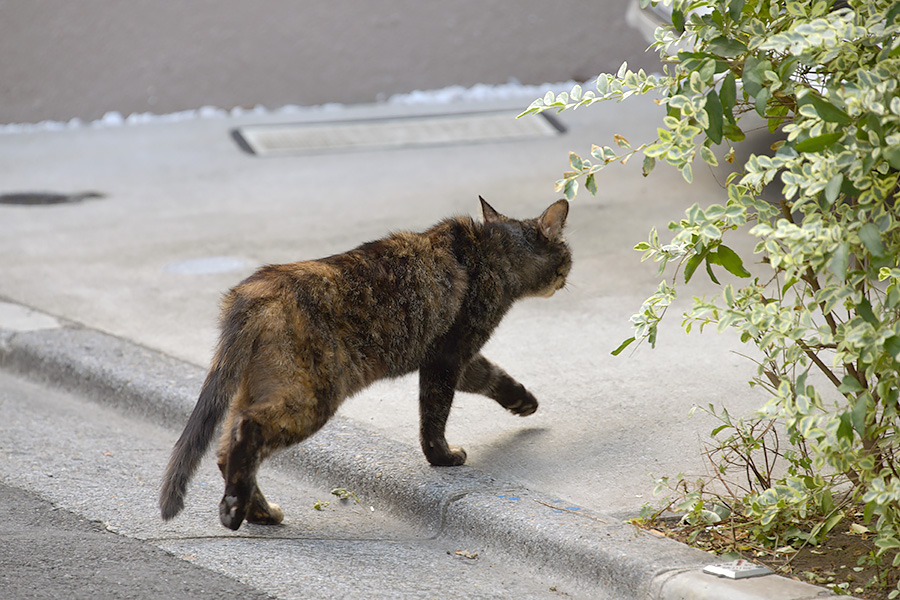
[{"x": 839, "y": 563}]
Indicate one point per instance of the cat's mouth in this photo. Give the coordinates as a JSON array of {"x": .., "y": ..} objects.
[{"x": 551, "y": 289}]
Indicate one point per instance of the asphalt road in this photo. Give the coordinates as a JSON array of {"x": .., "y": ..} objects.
[
  {"x": 53, "y": 553},
  {"x": 78, "y": 519}
]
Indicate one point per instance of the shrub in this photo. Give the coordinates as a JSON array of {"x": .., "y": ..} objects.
[{"x": 825, "y": 316}]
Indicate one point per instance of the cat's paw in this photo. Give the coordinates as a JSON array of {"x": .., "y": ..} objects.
[
  {"x": 524, "y": 405},
  {"x": 453, "y": 457},
  {"x": 262, "y": 512},
  {"x": 231, "y": 512},
  {"x": 271, "y": 514}
]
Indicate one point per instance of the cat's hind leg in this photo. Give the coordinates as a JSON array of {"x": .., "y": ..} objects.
[
  {"x": 481, "y": 376},
  {"x": 259, "y": 511},
  {"x": 284, "y": 418},
  {"x": 243, "y": 456}
]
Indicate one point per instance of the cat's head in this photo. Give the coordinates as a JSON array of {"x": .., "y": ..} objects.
[{"x": 540, "y": 256}]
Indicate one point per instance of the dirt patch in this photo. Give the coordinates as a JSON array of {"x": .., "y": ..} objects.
[{"x": 841, "y": 563}]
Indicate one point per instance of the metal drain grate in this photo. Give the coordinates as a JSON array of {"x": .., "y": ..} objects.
[{"x": 304, "y": 138}]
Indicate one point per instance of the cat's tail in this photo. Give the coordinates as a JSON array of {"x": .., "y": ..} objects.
[{"x": 229, "y": 365}]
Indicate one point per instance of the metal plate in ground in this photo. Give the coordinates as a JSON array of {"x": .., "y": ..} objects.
[
  {"x": 338, "y": 136},
  {"x": 738, "y": 569}
]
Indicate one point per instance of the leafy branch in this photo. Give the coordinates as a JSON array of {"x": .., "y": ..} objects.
[{"x": 824, "y": 77}]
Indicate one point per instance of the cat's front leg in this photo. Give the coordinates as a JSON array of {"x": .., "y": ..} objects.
[
  {"x": 436, "y": 389},
  {"x": 481, "y": 376}
]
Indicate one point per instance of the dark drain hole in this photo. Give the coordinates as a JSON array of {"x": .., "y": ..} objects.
[{"x": 41, "y": 198}]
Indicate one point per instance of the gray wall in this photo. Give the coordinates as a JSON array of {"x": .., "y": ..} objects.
[{"x": 81, "y": 58}]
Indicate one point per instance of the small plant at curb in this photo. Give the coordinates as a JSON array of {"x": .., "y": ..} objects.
[
  {"x": 345, "y": 495},
  {"x": 822, "y": 312}
]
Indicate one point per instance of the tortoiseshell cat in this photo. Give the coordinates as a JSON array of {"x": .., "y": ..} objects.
[{"x": 298, "y": 339}]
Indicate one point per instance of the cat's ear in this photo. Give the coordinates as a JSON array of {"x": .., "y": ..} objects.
[
  {"x": 554, "y": 219},
  {"x": 490, "y": 215}
]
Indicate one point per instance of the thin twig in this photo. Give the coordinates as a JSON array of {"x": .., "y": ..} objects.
[
  {"x": 822, "y": 366},
  {"x": 708, "y": 453}
]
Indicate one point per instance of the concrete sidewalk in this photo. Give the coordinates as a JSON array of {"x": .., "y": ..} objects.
[
  {"x": 182, "y": 198},
  {"x": 184, "y": 192}
]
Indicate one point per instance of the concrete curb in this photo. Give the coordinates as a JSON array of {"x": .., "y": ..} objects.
[{"x": 595, "y": 553}]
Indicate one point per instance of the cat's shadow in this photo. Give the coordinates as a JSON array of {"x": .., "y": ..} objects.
[{"x": 517, "y": 446}]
